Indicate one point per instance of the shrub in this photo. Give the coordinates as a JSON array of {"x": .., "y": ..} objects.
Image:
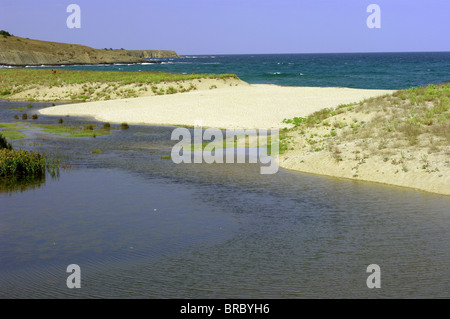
[
  {"x": 124, "y": 126},
  {"x": 5, "y": 33},
  {"x": 60, "y": 121},
  {"x": 107, "y": 126},
  {"x": 24, "y": 116},
  {"x": 4, "y": 143},
  {"x": 34, "y": 116},
  {"x": 171, "y": 90}
]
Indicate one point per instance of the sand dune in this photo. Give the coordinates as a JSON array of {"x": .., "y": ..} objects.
[{"x": 245, "y": 106}]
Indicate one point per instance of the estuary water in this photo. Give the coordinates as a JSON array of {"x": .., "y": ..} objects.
[{"x": 140, "y": 226}]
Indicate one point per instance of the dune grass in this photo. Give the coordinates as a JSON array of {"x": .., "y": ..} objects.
[
  {"x": 13, "y": 81},
  {"x": 415, "y": 120}
]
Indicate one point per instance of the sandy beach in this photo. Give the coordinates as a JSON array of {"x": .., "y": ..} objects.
[
  {"x": 242, "y": 106},
  {"x": 265, "y": 106}
]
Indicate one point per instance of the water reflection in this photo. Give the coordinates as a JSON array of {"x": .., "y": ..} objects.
[{"x": 12, "y": 185}]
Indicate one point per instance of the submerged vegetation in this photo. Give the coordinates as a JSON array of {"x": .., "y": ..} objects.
[{"x": 10, "y": 130}]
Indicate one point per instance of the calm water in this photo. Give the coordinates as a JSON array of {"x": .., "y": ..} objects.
[
  {"x": 139, "y": 226},
  {"x": 354, "y": 70}
]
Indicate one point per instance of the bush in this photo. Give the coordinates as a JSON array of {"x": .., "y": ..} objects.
[
  {"x": 5, "y": 33},
  {"x": 34, "y": 116},
  {"x": 107, "y": 126},
  {"x": 124, "y": 126},
  {"x": 4, "y": 143},
  {"x": 24, "y": 116}
]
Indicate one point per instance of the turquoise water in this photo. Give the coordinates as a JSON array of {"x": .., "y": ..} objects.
[{"x": 354, "y": 70}]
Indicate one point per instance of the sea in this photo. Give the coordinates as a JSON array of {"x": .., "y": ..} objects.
[{"x": 390, "y": 71}]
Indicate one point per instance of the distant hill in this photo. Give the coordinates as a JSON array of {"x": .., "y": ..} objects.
[{"x": 17, "y": 51}]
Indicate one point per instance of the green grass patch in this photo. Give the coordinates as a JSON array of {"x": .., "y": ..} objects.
[
  {"x": 13, "y": 81},
  {"x": 85, "y": 130},
  {"x": 13, "y": 134}
]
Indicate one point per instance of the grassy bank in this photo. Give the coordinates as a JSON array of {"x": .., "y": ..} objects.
[
  {"x": 69, "y": 85},
  {"x": 401, "y": 139}
]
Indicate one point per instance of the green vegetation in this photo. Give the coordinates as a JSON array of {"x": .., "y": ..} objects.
[
  {"x": 96, "y": 85},
  {"x": 13, "y": 134},
  {"x": 414, "y": 120},
  {"x": 22, "y": 164},
  {"x": 5, "y": 34},
  {"x": 124, "y": 126},
  {"x": 84, "y": 130},
  {"x": 4, "y": 143}
]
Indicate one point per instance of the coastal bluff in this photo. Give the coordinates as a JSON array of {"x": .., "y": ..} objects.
[
  {"x": 151, "y": 54},
  {"x": 17, "y": 51}
]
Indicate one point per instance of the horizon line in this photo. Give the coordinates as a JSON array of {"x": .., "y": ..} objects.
[{"x": 356, "y": 52}]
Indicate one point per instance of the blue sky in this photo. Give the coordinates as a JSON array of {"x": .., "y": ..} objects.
[{"x": 236, "y": 26}]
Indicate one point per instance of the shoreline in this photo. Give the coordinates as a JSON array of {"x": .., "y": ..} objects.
[{"x": 415, "y": 182}]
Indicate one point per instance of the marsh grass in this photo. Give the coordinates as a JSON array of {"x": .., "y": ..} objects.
[{"x": 21, "y": 163}]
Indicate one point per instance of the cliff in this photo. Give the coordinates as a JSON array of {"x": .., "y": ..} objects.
[
  {"x": 16, "y": 51},
  {"x": 151, "y": 54}
]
